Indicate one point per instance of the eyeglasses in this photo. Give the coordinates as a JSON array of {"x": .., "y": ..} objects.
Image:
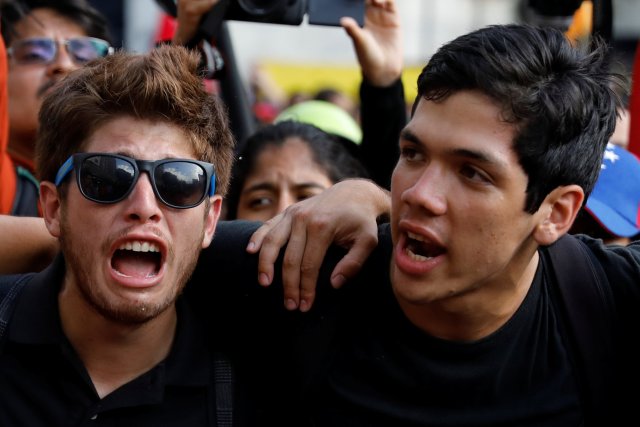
[
  {"x": 109, "y": 178},
  {"x": 43, "y": 50}
]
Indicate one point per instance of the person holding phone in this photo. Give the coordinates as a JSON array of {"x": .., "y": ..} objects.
[
  {"x": 134, "y": 155},
  {"x": 456, "y": 318},
  {"x": 378, "y": 45}
]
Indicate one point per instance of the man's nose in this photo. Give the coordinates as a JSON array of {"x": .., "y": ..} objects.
[
  {"x": 429, "y": 191},
  {"x": 142, "y": 204},
  {"x": 63, "y": 62}
]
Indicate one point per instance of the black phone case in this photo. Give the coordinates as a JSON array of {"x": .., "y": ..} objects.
[{"x": 329, "y": 12}]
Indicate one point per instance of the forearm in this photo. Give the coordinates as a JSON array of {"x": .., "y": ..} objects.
[
  {"x": 383, "y": 115},
  {"x": 373, "y": 196}
]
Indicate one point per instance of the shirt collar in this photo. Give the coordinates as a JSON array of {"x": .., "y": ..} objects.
[{"x": 36, "y": 321}]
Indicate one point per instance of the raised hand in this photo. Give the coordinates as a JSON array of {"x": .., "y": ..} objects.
[{"x": 378, "y": 44}]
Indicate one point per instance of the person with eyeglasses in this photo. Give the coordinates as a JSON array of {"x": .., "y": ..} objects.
[
  {"x": 45, "y": 40},
  {"x": 134, "y": 157},
  {"x": 6, "y": 168},
  {"x": 461, "y": 317}
]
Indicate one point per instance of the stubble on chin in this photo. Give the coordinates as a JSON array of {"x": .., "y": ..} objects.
[{"x": 130, "y": 313}]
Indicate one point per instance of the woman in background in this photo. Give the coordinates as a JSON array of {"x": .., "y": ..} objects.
[{"x": 284, "y": 163}]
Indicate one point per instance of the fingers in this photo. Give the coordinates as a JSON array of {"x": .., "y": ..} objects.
[
  {"x": 319, "y": 240},
  {"x": 345, "y": 215},
  {"x": 358, "y": 35},
  {"x": 291, "y": 265},
  {"x": 269, "y": 239},
  {"x": 351, "y": 26},
  {"x": 189, "y": 15},
  {"x": 257, "y": 238},
  {"x": 353, "y": 261},
  {"x": 194, "y": 7},
  {"x": 306, "y": 240}
]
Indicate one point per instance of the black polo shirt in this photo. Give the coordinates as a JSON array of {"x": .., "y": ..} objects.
[{"x": 44, "y": 383}]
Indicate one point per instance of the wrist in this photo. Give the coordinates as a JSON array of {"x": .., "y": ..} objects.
[
  {"x": 382, "y": 79},
  {"x": 383, "y": 206},
  {"x": 377, "y": 198}
]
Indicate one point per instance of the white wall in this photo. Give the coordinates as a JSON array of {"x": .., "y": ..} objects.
[{"x": 141, "y": 20}]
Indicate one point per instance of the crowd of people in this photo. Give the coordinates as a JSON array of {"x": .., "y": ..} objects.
[
  {"x": 474, "y": 265},
  {"x": 33, "y": 30}
]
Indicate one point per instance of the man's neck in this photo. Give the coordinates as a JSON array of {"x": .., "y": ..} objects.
[
  {"x": 114, "y": 353},
  {"x": 475, "y": 314}
]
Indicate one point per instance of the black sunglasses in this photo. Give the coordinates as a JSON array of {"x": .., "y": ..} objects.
[
  {"x": 109, "y": 178},
  {"x": 43, "y": 50}
]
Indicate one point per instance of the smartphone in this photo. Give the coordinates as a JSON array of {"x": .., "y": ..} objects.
[{"x": 329, "y": 12}]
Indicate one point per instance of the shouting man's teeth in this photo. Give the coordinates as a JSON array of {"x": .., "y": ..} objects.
[
  {"x": 419, "y": 248},
  {"x": 139, "y": 247},
  {"x": 414, "y": 236},
  {"x": 137, "y": 259},
  {"x": 416, "y": 257}
]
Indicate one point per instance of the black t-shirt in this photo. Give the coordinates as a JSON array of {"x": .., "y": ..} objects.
[
  {"x": 44, "y": 383},
  {"x": 356, "y": 360},
  {"x": 388, "y": 372}
]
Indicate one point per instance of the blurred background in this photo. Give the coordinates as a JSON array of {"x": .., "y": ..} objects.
[{"x": 305, "y": 58}]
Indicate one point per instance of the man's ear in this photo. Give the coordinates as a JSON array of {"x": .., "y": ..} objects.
[
  {"x": 211, "y": 219},
  {"x": 51, "y": 204},
  {"x": 559, "y": 209}
]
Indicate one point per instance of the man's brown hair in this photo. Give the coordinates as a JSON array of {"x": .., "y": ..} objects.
[{"x": 162, "y": 85}]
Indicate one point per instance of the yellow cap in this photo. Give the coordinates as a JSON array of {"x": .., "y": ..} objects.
[{"x": 326, "y": 116}]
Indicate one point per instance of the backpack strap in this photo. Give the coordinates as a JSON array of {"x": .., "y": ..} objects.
[
  {"x": 25, "y": 202},
  {"x": 10, "y": 287},
  {"x": 587, "y": 322},
  {"x": 223, "y": 389}
]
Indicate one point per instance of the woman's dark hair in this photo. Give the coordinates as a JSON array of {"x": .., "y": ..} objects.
[{"x": 327, "y": 152}]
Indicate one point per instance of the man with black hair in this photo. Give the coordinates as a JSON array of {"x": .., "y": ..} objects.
[
  {"x": 463, "y": 315},
  {"x": 477, "y": 308},
  {"x": 379, "y": 48}
]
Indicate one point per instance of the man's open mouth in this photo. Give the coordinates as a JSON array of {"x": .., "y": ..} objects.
[
  {"x": 419, "y": 248},
  {"x": 137, "y": 259}
]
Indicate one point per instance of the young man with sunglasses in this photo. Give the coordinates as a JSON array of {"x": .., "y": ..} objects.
[
  {"x": 45, "y": 40},
  {"x": 134, "y": 157},
  {"x": 458, "y": 318}
]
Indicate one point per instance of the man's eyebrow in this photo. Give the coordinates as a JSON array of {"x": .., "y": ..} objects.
[
  {"x": 477, "y": 155},
  {"x": 480, "y": 156},
  {"x": 473, "y": 154},
  {"x": 407, "y": 135}
]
